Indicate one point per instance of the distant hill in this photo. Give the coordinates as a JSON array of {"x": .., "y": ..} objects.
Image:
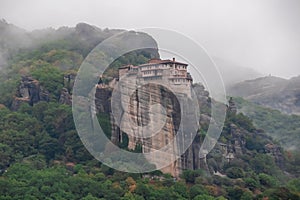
[
  {"x": 233, "y": 73},
  {"x": 273, "y": 92},
  {"x": 281, "y": 127}
]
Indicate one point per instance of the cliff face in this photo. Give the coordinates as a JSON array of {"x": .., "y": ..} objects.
[
  {"x": 152, "y": 118},
  {"x": 237, "y": 152},
  {"x": 31, "y": 91},
  {"x": 154, "y": 121}
]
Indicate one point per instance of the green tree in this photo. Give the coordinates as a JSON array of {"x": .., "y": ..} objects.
[
  {"x": 196, "y": 190},
  {"x": 235, "y": 172},
  {"x": 267, "y": 180},
  {"x": 190, "y": 175},
  {"x": 263, "y": 163},
  {"x": 203, "y": 197},
  {"x": 181, "y": 189},
  {"x": 50, "y": 77}
]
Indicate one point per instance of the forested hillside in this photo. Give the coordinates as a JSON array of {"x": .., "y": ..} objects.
[
  {"x": 282, "y": 127},
  {"x": 42, "y": 157}
]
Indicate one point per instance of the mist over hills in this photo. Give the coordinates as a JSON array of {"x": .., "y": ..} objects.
[
  {"x": 14, "y": 39},
  {"x": 233, "y": 73},
  {"x": 273, "y": 92},
  {"x": 81, "y": 39}
]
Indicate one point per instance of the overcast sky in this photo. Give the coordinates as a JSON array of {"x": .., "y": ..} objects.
[{"x": 261, "y": 34}]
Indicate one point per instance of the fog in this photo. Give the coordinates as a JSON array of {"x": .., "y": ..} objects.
[{"x": 261, "y": 35}]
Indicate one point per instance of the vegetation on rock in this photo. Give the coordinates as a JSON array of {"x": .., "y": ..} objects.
[{"x": 42, "y": 157}]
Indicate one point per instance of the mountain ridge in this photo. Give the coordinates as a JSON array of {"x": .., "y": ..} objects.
[{"x": 273, "y": 92}]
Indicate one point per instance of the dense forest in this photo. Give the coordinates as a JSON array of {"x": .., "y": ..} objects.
[
  {"x": 42, "y": 157},
  {"x": 282, "y": 127}
]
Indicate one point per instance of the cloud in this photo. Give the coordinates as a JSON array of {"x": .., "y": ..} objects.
[{"x": 263, "y": 35}]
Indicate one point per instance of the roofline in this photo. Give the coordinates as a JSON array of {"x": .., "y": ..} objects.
[
  {"x": 154, "y": 63},
  {"x": 164, "y": 62},
  {"x": 125, "y": 66}
]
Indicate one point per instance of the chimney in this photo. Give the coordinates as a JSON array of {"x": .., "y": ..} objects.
[{"x": 173, "y": 59}]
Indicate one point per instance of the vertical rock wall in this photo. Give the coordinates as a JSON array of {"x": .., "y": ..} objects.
[{"x": 151, "y": 116}]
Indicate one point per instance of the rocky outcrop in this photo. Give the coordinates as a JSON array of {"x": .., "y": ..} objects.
[
  {"x": 275, "y": 151},
  {"x": 29, "y": 91},
  {"x": 146, "y": 102},
  {"x": 102, "y": 98},
  {"x": 150, "y": 118},
  {"x": 236, "y": 143},
  {"x": 65, "y": 97}
]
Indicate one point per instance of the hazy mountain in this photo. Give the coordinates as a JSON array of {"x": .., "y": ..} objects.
[
  {"x": 12, "y": 38},
  {"x": 270, "y": 91},
  {"x": 82, "y": 39},
  {"x": 233, "y": 73}
]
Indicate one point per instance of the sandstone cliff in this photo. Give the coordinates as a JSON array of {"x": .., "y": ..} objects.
[
  {"x": 31, "y": 91},
  {"x": 142, "y": 106}
]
